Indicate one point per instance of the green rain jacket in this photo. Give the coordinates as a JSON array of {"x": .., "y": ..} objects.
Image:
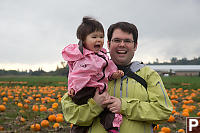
[{"x": 140, "y": 107}]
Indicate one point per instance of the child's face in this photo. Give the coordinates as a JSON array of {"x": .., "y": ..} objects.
[{"x": 94, "y": 41}]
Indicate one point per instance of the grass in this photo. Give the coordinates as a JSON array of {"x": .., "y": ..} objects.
[
  {"x": 34, "y": 80},
  {"x": 169, "y": 82},
  {"x": 181, "y": 82},
  {"x": 33, "y": 85}
]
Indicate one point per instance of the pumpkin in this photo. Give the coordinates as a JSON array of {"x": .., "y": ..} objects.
[
  {"x": 56, "y": 125},
  {"x": 181, "y": 131},
  {"x": 198, "y": 113},
  {"x": 59, "y": 119},
  {"x": 20, "y": 105},
  {"x": 166, "y": 130},
  {"x": 1, "y": 128},
  {"x": 156, "y": 127},
  {"x": 2, "y": 108},
  {"x": 59, "y": 115},
  {"x": 26, "y": 106},
  {"x": 55, "y": 105},
  {"x": 35, "y": 108},
  {"x": 52, "y": 118},
  {"x": 22, "y": 119},
  {"x": 45, "y": 123},
  {"x": 35, "y": 127},
  {"x": 50, "y": 110},
  {"x": 43, "y": 108},
  {"x": 186, "y": 114},
  {"x": 5, "y": 99},
  {"x": 171, "y": 119}
]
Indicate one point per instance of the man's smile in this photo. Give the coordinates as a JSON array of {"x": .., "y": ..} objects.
[{"x": 121, "y": 51}]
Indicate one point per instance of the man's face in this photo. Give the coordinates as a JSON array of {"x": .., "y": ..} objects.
[{"x": 122, "y": 52}]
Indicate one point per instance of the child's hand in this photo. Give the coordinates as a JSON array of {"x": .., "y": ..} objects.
[
  {"x": 71, "y": 92},
  {"x": 121, "y": 73},
  {"x": 117, "y": 74}
]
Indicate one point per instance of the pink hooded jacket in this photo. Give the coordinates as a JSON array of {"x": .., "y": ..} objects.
[{"x": 87, "y": 69}]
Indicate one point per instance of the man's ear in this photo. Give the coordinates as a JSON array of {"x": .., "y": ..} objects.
[
  {"x": 108, "y": 45},
  {"x": 135, "y": 46}
]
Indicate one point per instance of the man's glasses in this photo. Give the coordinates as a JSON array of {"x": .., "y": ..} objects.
[{"x": 119, "y": 41}]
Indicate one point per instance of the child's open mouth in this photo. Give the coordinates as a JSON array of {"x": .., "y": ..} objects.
[{"x": 97, "y": 46}]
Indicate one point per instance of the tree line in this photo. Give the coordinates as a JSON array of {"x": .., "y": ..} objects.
[
  {"x": 176, "y": 61},
  {"x": 60, "y": 71},
  {"x": 39, "y": 72},
  {"x": 63, "y": 70}
]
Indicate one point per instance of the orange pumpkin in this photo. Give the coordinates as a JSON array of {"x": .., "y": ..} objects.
[
  {"x": 181, "y": 131},
  {"x": 186, "y": 114},
  {"x": 50, "y": 110},
  {"x": 22, "y": 119},
  {"x": 26, "y": 106},
  {"x": 59, "y": 119},
  {"x": 165, "y": 129},
  {"x": 171, "y": 119},
  {"x": 56, "y": 125},
  {"x": 45, "y": 123},
  {"x": 35, "y": 127},
  {"x": 156, "y": 127},
  {"x": 55, "y": 105},
  {"x": 5, "y": 99},
  {"x": 173, "y": 111},
  {"x": 43, "y": 108},
  {"x": 2, "y": 108},
  {"x": 35, "y": 108},
  {"x": 61, "y": 115},
  {"x": 20, "y": 105},
  {"x": 27, "y": 101},
  {"x": 37, "y": 99},
  {"x": 52, "y": 100},
  {"x": 52, "y": 118},
  {"x": 3, "y": 93},
  {"x": 198, "y": 113},
  {"x": 1, "y": 128},
  {"x": 71, "y": 125}
]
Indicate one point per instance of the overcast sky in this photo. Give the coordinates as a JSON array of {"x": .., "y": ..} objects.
[{"x": 34, "y": 32}]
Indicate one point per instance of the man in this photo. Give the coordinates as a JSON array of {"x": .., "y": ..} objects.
[{"x": 139, "y": 96}]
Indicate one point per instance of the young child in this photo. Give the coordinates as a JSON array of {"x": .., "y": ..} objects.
[{"x": 89, "y": 69}]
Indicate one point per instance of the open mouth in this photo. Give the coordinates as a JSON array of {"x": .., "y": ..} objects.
[
  {"x": 97, "y": 46},
  {"x": 121, "y": 52}
]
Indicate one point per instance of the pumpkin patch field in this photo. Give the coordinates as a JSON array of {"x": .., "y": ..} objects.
[{"x": 32, "y": 104}]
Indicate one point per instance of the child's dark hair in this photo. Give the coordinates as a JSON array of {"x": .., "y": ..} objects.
[{"x": 88, "y": 26}]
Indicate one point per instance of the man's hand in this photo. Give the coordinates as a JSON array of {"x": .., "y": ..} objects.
[
  {"x": 100, "y": 98},
  {"x": 113, "y": 104}
]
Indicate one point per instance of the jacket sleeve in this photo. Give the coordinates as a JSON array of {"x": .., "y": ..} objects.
[
  {"x": 111, "y": 68},
  {"x": 81, "y": 115},
  {"x": 159, "y": 106}
]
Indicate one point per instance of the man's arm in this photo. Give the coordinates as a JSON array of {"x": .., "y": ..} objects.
[{"x": 82, "y": 115}]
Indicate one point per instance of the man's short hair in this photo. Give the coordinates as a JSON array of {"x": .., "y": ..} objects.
[{"x": 124, "y": 26}]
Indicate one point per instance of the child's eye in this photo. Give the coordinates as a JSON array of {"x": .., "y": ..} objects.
[{"x": 94, "y": 37}]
